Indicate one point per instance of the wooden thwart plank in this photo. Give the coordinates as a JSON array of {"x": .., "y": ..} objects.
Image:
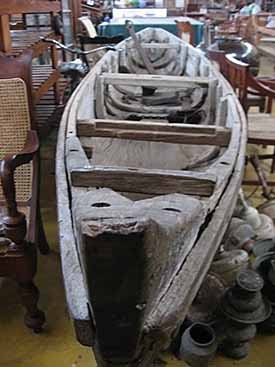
[
  {"x": 152, "y": 80},
  {"x": 152, "y": 131},
  {"x": 157, "y": 45},
  {"x": 147, "y": 181}
]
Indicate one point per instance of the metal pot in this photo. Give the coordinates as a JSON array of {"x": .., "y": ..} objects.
[
  {"x": 261, "y": 247},
  {"x": 198, "y": 345}
]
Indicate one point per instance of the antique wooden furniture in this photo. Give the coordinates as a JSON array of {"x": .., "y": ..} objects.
[
  {"x": 243, "y": 82},
  {"x": 228, "y": 28},
  {"x": 15, "y": 43},
  {"x": 252, "y": 97},
  {"x": 143, "y": 203},
  {"x": 261, "y": 126},
  {"x": 19, "y": 194},
  {"x": 186, "y": 32},
  {"x": 264, "y": 36}
]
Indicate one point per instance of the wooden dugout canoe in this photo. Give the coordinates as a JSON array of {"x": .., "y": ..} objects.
[{"x": 143, "y": 203}]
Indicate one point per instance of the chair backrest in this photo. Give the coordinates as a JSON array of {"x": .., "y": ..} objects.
[
  {"x": 16, "y": 118},
  {"x": 218, "y": 56},
  {"x": 88, "y": 25},
  {"x": 238, "y": 76},
  {"x": 228, "y": 28},
  {"x": 242, "y": 81},
  {"x": 15, "y": 122},
  {"x": 186, "y": 32}
]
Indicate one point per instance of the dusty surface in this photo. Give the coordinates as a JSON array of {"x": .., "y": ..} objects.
[{"x": 56, "y": 346}]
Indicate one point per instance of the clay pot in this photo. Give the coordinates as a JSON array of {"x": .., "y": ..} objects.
[
  {"x": 268, "y": 208},
  {"x": 244, "y": 303},
  {"x": 266, "y": 229},
  {"x": 208, "y": 298},
  {"x": 263, "y": 265},
  {"x": 261, "y": 247},
  {"x": 269, "y": 324},
  {"x": 238, "y": 333},
  {"x": 237, "y": 352},
  {"x": 252, "y": 217},
  {"x": 229, "y": 263},
  {"x": 238, "y": 234},
  {"x": 198, "y": 345}
]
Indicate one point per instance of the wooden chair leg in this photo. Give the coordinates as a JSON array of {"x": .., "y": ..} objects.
[
  {"x": 42, "y": 244},
  {"x": 20, "y": 253},
  {"x": 34, "y": 318}
]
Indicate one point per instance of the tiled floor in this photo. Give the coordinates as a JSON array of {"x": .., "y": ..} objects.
[{"x": 56, "y": 346}]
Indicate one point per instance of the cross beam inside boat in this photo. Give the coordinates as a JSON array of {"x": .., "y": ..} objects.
[
  {"x": 156, "y": 45},
  {"x": 147, "y": 181},
  {"x": 152, "y": 131},
  {"x": 166, "y": 81}
]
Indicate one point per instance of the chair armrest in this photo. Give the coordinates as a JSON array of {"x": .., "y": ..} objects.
[
  {"x": 267, "y": 82},
  {"x": 7, "y": 167},
  {"x": 264, "y": 87},
  {"x": 26, "y": 155}
]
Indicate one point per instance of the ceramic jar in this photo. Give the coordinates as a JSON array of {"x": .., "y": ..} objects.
[{"x": 229, "y": 263}]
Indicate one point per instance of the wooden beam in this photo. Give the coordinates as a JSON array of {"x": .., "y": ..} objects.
[
  {"x": 146, "y": 181},
  {"x": 166, "y": 81},
  {"x": 5, "y": 37},
  {"x": 28, "y": 6},
  {"x": 152, "y": 131},
  {"x": 157, "y": 45},
  {"x": 142, "y": 53}
]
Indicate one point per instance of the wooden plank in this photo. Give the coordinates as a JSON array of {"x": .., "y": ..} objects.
[
  {"x": 147, "y": 181},
  {"x": 166, "y": 81},
  {"x": 46, "y": 82},
  {"x": 117, "y": 291},
  {"x": 157, "y": 45},
  {"x": 28, "y": 6},
  {"x": 5, "y": 37},
  {"x": 152, "y": 131},
  {"x": 143, "y": 54},
  {"x": 261, "y": 129}
]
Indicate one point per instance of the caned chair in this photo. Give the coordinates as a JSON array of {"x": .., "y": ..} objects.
[{"x": 20, "y": 220}]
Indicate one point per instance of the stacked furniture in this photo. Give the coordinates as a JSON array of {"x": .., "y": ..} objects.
[
  {"x": 15, "y": 43},
  {"x": 261, "y": 127}
]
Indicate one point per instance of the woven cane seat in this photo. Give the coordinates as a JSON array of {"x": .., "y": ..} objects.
[{"x": 14, "y": 125}]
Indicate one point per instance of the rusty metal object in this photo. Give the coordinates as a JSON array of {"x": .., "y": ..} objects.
[
  {"x": 198, "y": 345},
  {"x": 243, "y": 307}
]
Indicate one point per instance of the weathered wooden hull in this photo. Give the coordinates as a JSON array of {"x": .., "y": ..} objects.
[{"x": 143, "y": 205}]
